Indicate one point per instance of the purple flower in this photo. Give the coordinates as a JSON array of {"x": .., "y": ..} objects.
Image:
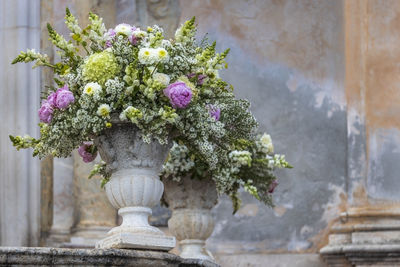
[
  {"x": 272, "y": 186},
  {"x": 46, "y": 112},
  {"x": 179, "y": 94},
  {"x": 64, "y": 97},
  {"x": 108, "y": 44},
  {"x": 51, "y": 99},
  {"x": 87, "y": 151},
  {"x": 110, "y": 33},
  {"x": 132, "y": 39},
  {"x": 191, "y": 75},
  {"x": 200, "y": 79},
  {"x": 215, "y": 112}
]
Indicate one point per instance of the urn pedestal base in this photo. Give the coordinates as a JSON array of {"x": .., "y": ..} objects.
[
  {"x": 138, "y": 241},
  {"x": 195, "y": 249},
  {"x": 136, "y": 233}
]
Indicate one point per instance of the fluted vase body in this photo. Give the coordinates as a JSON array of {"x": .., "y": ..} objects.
[{"x": 134, "y": 187}]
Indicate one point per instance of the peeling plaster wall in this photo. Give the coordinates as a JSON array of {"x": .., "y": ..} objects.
[
  {"x": 287, "y": 58},
  {"x": 382, "y": 100}
]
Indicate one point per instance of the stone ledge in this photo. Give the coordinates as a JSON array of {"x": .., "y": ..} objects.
[
  {"x": 94, "y": 257},
  {"x": 356, "y": 254}
]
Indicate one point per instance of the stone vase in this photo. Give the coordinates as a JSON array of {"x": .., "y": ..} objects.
[
  {"x": 191, "y": 201},
  {"x": 134, "y": 187}
]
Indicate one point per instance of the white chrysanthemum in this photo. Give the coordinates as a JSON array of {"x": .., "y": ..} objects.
[
  {"x": 92, "y": 89},
  {"x": 124, "y": 28},
  {"x": 147, "y": 55},
  {"x": 104, "y": 110},
  {"x": 162, "y": 54},
  {"x": 162, "y": 78}
]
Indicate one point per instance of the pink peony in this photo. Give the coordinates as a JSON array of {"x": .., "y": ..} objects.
[
  {"x": 46, "y": 112},
  {"x": 179, "y": 94},
  {"x": 51, "y": 99},
  {"x": 64, "y": 97},
  {"x": 87, "y": 151}
]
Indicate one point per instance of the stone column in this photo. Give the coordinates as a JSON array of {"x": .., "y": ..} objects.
[
  {"x": 94, "y": 215},
  {"x": 367, "y": 232},
  {"x": 19, "y": 96},
  {"x": 63, "y": 205}
]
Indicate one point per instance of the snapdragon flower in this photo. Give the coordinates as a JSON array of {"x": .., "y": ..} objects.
[
  {"x": 265, "y": 145},
  {"x": 243, "y": 158}
]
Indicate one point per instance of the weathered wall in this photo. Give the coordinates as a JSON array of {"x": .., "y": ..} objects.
[
  {"x": 373, "y": 97},
  {"x": 382, "y": 99},
  {"x": 288, "y": 59}
]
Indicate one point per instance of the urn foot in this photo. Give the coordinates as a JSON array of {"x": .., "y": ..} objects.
[{"x": 195, "y": 249}]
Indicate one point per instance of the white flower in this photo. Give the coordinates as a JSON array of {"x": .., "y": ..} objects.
[
  {"x": 139, "y": 33},
  {"x": 124, "y": 28},
  {"x": 162, "y": 78},
  {"x": 241, "y": 157},
  {"x": 266, "y": 145},
  {"x": 92, "y": 89},
  {"x": 165, "y": 43},
  {"x": 122, "y": 116},
  {"x": 104, "y": 110},
  {"x": 147, "y": 56},
  {"x": 162, "y": 54}
]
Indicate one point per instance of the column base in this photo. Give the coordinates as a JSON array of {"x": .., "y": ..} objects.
[{"x": 138, "y": 241}]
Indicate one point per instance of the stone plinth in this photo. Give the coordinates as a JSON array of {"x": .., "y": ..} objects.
[
  {"x": 365, "y": 236},
  {"x": 94, "y": 257}
]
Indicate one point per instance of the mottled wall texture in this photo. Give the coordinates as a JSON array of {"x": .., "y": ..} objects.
[{"x": 323, "y": 78}]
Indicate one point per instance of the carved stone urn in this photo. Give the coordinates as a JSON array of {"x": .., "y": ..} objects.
[
  {"x": 134, "y": 187},
  {"x": 191, "y": 201}
]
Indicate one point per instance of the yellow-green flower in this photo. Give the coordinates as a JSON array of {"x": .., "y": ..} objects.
[{"x": 100, "y": 67}]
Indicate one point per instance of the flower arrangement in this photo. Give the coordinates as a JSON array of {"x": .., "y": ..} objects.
[
  {"x": 167, "y": 88},
  {"x": 249, "y": 163}
]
